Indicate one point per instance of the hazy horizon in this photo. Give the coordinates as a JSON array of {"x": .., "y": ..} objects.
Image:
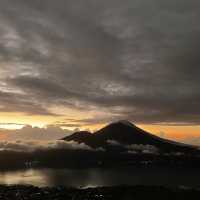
[{"x": 50, "y": 133}]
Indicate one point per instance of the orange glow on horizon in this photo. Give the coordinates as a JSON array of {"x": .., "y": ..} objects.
[
  {"x": 177, "y": 133},
  {"x": 173, "y": 132},
  {"x": 10, "y": 121}
]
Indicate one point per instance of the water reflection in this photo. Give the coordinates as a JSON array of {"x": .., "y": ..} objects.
[{"x": 102, "y": 177}]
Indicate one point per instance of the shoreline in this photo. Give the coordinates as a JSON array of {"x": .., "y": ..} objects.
[{"x": 28, "y": 192}]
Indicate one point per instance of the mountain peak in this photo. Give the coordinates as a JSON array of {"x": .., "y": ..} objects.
[
  {"x": 126, "y": 133},
  {"x": 124, "y": 122}
]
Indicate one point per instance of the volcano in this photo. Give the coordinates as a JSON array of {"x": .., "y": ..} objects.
[{"x": 121, "y": 134}]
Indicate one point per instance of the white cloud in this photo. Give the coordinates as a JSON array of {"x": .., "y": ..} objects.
[
  {"x": 135, "y": 148},
  {"x": 143, "y": 148},
  {"x": 35, "y": 133},
  {"x": 33, "y": 145},
  {"x": 114, "y": 142}
]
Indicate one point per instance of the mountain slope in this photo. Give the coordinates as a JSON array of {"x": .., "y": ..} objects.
[
  {"x": 126, "y": 133},
  {"x": 80, "y": 137}
]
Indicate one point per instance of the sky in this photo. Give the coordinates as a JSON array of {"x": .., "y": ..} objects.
[{"x": 82, "y": 64}]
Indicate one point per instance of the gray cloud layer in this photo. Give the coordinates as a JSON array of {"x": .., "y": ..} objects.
[{"x": 138, "y": 59}]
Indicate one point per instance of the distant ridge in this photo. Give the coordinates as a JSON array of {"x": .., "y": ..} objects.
[
  {"x": 80, "y": 136},
  {"x": 126, "y": 133}
]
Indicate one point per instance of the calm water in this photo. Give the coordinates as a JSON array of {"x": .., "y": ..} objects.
[{"x": 102, "y": 177}]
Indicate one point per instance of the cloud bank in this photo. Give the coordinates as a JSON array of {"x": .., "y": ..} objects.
[
  {"x": 35, "y": 133},
  {"x": 135, "y": 148},
  {"x": 137, "y": 60},
  {"x": 36, "y": 145}
]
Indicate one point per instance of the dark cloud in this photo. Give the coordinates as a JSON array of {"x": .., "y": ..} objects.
[
  {"x": 137, "y": 60},
  {"x": 15, "y": 102}
]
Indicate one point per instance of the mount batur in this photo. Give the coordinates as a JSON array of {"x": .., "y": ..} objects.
[
  {"x": 118, "y": 144},
  {"x": 124, "y": 143},
  {"x": 125, "y": 135}
]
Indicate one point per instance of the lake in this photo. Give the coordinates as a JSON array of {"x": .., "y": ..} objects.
[{"x": 103, "y": 177}]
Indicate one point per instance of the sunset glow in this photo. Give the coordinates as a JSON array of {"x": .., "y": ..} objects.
[{"x": 80, "y": 66}]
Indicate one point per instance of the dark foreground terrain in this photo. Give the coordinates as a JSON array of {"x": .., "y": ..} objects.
[{"x": 124, "y": 193}]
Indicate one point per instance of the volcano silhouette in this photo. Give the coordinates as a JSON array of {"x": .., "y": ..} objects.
[{"x": 126, "y": 133}]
